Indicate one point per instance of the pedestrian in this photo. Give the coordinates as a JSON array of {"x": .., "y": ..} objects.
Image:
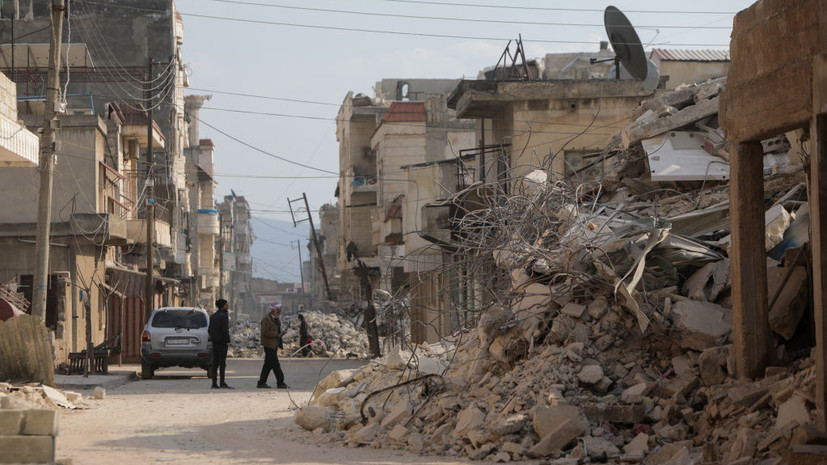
[
  {"x": 271, "y": 341},
  {"x": 220, "y": 336},
  {"x": 304, "y": 337}
]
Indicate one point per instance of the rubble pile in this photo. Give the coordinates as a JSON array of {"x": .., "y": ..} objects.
[
  {"x": 332, "y": 335},
  {"x": 37, "y": 396},
  {"x": 608, "y": 335}
]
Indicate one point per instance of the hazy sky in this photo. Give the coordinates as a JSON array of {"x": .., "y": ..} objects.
[{"x": 298, "y": 59}]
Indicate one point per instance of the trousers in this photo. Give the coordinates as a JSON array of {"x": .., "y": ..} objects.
[
  {"x": 271, "y": 362},
  {"x": 219, "y": 362}
]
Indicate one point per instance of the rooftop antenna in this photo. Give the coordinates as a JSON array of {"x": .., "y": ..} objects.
[{"x": 625, "y": 43}]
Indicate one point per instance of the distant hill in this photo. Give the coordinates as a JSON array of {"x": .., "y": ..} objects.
[{"x": 274, "y": 257}]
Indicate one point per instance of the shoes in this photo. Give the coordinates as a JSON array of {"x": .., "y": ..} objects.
[
  {"x": 263, "y": 386},
  {"x": 226, "y": 386},
  {"x": 282, "y": 386},
  {"x": 214, "y": 386}
]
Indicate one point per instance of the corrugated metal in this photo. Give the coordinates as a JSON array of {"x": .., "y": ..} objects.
[
  {"x": 690, "y": 55},
  {"x": 405, "y": 112}
]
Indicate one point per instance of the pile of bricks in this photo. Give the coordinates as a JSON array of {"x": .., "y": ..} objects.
[{"x": 28, "y": 436}]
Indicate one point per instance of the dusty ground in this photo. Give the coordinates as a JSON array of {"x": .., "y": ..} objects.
[{"x": 177, "y": 418}]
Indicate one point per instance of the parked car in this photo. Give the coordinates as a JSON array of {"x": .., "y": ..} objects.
[{"x": 175, "y": 336}]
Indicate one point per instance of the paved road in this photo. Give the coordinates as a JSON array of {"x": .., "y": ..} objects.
[{"x": 176, "y": 418}]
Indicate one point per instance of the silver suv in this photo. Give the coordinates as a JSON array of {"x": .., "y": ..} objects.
[{"x": 175, "y": 336}]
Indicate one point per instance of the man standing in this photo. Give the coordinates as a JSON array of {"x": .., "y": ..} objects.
[
  {"x": 271, "y": 341},
  {"x": 220, "y": 337},
  {"x": 304, "y": 337}
]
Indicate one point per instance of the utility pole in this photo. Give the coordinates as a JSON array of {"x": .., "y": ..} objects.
[
  {"x": 319, "y": 257},
  {"x": 149, "y": 301},
  {"x": 47, "y": 164},
  {"x": 301, "y": 266},
  {"x": 221, "y": 258}
]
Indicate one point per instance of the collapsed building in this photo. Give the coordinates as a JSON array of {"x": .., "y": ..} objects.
[{"x": 615, "y": 318}]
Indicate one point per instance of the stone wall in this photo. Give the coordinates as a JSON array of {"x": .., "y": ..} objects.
[{"x": 28, "y": 436}]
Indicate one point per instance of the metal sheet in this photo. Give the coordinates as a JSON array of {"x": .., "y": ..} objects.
[{"x": 680, "y": 156}]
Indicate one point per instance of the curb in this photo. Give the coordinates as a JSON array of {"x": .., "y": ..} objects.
[{"x": 114, "y": 382}]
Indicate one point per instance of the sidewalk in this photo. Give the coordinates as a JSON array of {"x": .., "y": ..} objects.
[{"x": 117, "y": 376}]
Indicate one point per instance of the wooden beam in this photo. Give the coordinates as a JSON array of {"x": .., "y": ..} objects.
[
  {"x": 750, "y": 323},
  {"x": 818, "y": 229}
]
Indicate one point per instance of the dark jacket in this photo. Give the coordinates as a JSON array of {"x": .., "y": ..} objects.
[{"x": 220, "y": 327}]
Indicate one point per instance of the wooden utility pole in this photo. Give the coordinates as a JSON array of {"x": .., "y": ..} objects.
[
  {"x": 47, "y": 164},
  {"x": 301, "y": 267},
  {"x": 319, "y": 256},
  {"x": 149, "y": 300}
]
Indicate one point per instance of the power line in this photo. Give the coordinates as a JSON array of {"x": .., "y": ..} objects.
[
  {"x": 286, "y": 160},
  {"x": 438, "y": 18},
  {"x": 411, "y": 34},
  {"x": 282, "y": 99},
  {"x": 535, "y": 8}
]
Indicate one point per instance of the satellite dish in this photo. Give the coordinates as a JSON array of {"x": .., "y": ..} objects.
[{"x": 625, "y": 43}]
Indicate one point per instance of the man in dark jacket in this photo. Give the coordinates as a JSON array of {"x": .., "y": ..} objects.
[
  {"x": 304, "y": 336},
  {"x": 220, "y": 337},
  {"x": 271, "y": 341}
]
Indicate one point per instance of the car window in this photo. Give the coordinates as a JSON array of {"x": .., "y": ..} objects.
[{"x": 189, "y": 319}]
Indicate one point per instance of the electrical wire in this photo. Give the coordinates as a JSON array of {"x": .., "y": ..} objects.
[
  {"x": 413, "y": 34},
  {"x": 439, "y": 18}
]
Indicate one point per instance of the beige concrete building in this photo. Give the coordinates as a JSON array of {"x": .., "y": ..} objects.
[
  {"x": 203, "y": 219},
  {"x": 234, "y": 245},
  {"x": 407, "y": 123}
]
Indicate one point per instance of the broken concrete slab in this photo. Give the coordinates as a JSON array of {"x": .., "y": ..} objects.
[
  {"x": 638, "y": 132},
  {"x": 640, "y": 444},
  {"x": 468, "y": 419},
  {"x": 701, "y": 325},
  {"x": 552, "y": 444},
  {"x": 794, "y": 409},
  {"x": 546, "y": 419},
  {"x": 791, "y": 302}
]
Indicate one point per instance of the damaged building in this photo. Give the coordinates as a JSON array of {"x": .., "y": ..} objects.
[{"x": 638, "y": 267}]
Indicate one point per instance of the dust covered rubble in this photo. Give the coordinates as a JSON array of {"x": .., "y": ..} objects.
[
  {"x": 333, "y": 336},
  {"x": 612, "y": 336},
  {"x": 605, "y": 388},
  {"x": 38, "y": 396}
]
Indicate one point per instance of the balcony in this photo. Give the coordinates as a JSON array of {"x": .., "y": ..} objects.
[
  {"x": 103, "y": 228},
  {"x": 18, "y": 146},
  {"x": 208, "y": 223}
]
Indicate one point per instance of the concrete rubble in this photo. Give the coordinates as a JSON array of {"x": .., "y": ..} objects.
[
  {"x": 333, "y": 335},
  {"x": 611, "y": 336},
  {"x": 38, "y": 396}
]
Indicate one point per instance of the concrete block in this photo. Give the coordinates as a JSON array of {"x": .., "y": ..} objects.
[
  {"x": 634, "y": 394},
  {"x": 27, "y": 449},
  {"x": 598, "y": 307},
  {"x": 745, "y": 444},
  {"x": 398, "y": 433},
  {"x": 546, "y": 419},
  {"x": 712, "y": 363},
  {"x": 40, "y": 422},
  {"x": 312, "y": 417},
  {"x": 400, "y": 412},
  {"x": 639, "y": 444},
  {"x": 469, "y": 419},
  {"x": 553, "y": 443},
  {"x": 794, "y": 409},
  {"x": 11, "y": 421},
  {"x": 100, "y": 393},
  {"x": 573, "y": 310},
  {"x": 701, "y": 325},
  {"x": 629, "y": 414},
  {"x": 590, "y": 374}
]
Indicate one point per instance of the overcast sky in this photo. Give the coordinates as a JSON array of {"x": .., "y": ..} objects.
[{"x": 298, "y": 59}]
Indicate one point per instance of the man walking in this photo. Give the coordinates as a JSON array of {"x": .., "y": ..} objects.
[
  {"x": 220, "y": 336},
  {"x": 271, "y": 341}
]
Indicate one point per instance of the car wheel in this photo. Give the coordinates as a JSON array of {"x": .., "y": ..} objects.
[{"x": 147, "y": 372}]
